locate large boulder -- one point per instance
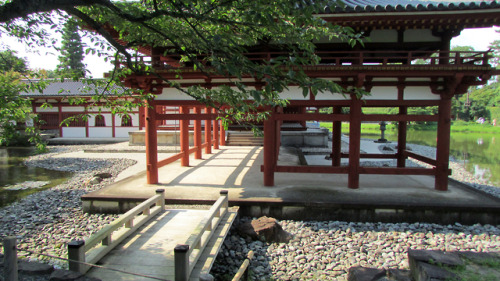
(264, 229)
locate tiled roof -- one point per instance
(72, 88)
(367, 6)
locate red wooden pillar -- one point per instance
(336, 138)
(443, 144)
(277, 136)
(141, 117)
(184, 124)
(402, 128)
(354, 142)
(208, 133)
(222, 134)
(197, 134)
(269, 150)
(303, 110)
(87, 123)
(216, 131)
(151, 144)
(113, 125)
(60, 118)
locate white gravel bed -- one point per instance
(46, 221)
(325, 250)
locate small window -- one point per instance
(126, 121)
(99, 121)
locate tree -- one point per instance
(71, 58)
(15, 109)
(10, 62)
(208, 36)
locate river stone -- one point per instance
(103, 175)
(34, 268)
(365, 274)
(434, 257)
(264, 229)
(424, 272)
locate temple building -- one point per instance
(405, 62)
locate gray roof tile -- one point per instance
(72, 88)
(363, 6)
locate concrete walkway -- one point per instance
(238, 170)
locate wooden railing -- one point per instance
(103, 241)
(186, 255)
(242, 273)
(359, 58)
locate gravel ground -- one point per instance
(46, 221)
(325, 250)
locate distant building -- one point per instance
(99, 124)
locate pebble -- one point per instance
(346, 244)
(320, 250)
(46, 221)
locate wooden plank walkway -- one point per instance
(150, 250)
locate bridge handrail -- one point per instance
(187, 254)
(103, 241)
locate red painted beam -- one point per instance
(419, 157)
(170, 159)
(396, 171)
(216, 131)
(311, 116)
(389, 117)
(187, 116)
(311, 169)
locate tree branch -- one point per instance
(23, 8)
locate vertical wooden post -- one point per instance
(216, 131)
(162, 202)
(87, 123)
(184, 138)
(10, 258)
(269, 149)
(141, 117)
(208, 132)
(225, 193)
(151, 144)
(76, 254)
(402, 128)
(197, 133)
(277, 136)
(222, 134)
(60, 116)
(336, 138)
(181, 260)
(354, 142)
(443, 144)
(113, 125)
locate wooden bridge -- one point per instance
(152, 243)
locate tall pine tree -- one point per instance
(71, 58)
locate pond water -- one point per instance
(479, 153)
(17, 180)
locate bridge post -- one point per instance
(10, 259)
(162, 193)
(225, 193)
(181, 259)
(76, 254)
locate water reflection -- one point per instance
(478, 153)
(13, 171)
